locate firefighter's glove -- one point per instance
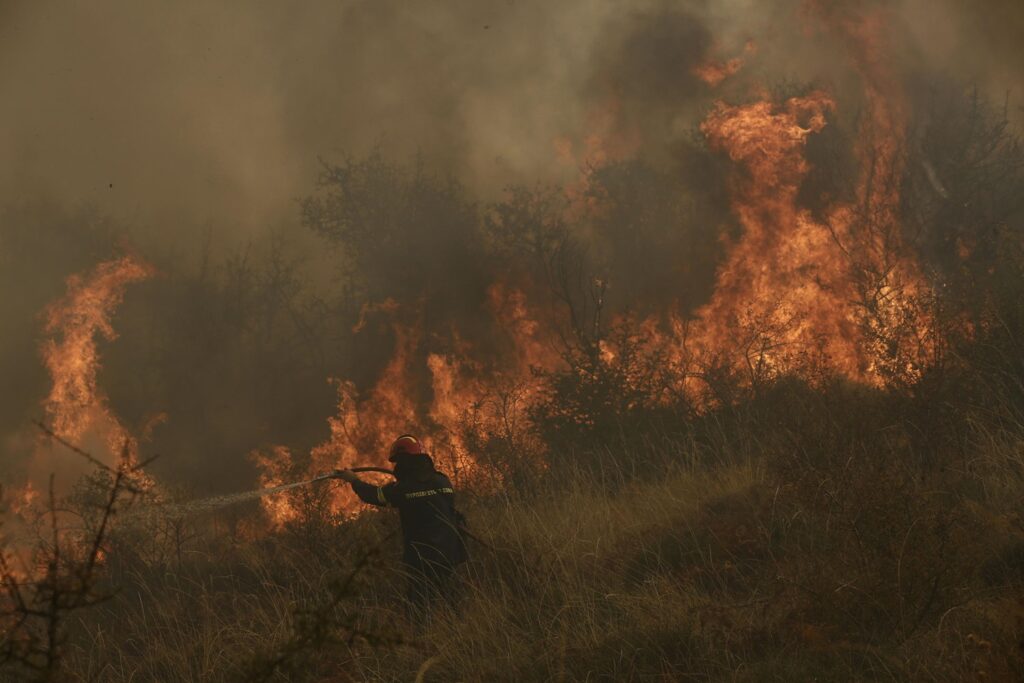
(347, 475)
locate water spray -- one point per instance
(216, 502)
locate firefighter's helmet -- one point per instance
(406, 444)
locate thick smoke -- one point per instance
(188, 132)
(170, 114)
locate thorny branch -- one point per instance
(60, 577)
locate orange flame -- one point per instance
(713, 73)
(363, 427)
(275, 469)
(361, 430)
(835, 291)
(75, 404)
(796, 293)
(783, 290)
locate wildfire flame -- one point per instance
(782, 292)
(839, 293)
(74, 403)
(364, 426)
(798, 292)
(75, 406)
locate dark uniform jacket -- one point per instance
(426, 508)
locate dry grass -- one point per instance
(875, 570)
(832, 533)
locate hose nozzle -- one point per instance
(333, 474)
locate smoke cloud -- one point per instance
(164, 114)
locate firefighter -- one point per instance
(431, 527)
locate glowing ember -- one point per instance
(713, 73)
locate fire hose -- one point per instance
(335, 474)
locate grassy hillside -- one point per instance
(808, 535)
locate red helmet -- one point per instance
(406, 444)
